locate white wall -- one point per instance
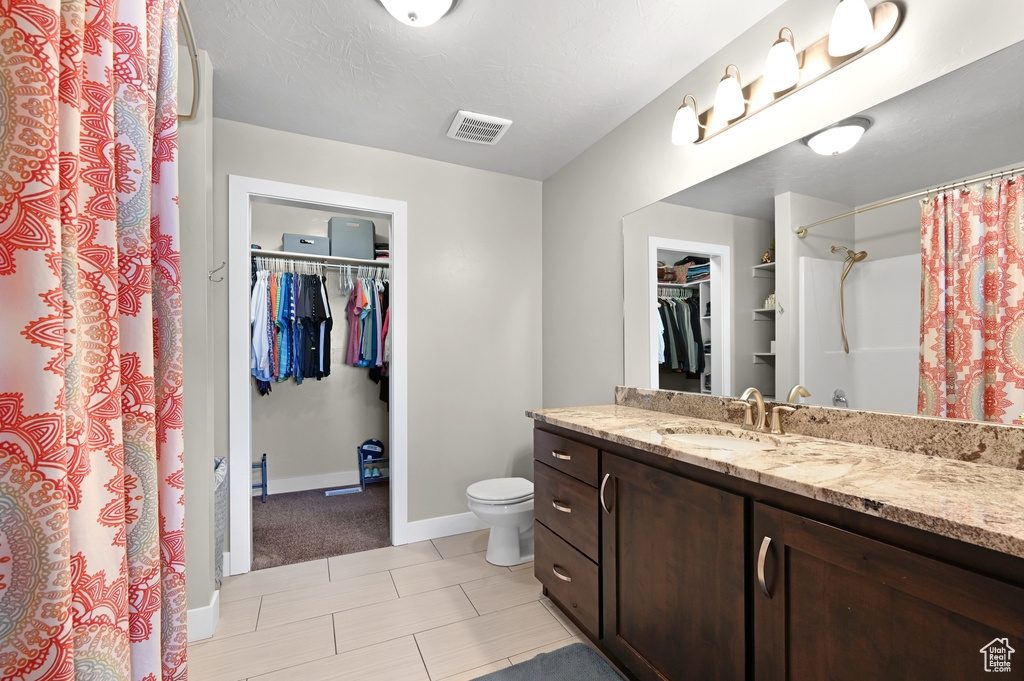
(474, 298)
(747, 240)
(195, 192)
(636, 165)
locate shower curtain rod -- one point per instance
(802, 231)
(190, 41)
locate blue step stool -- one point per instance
(262, 485)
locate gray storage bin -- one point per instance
(351, 237)
(306, 243)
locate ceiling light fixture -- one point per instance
(686, 128)
(729, 102)
(838, 138)
(781, 69)
(852, 28)
(418, 13)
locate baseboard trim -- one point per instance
(444, 526)
(202, 622)
(307, 482)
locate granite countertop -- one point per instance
(976, 503)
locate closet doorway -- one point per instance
(708, 282)
(254, 421)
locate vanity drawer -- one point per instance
(566, 506)
(572, 458)
(569, 577)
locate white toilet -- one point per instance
(506, 504)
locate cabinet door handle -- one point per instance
(761, 557)
(561, 455)
(559, 506)
(561, 574)
(601, 493)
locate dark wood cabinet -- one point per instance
(684, 574)
(673, 573)
(839, 606)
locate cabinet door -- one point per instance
(672, 565)
(842, 607)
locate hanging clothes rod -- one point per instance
(264, 262)
(802, 231)
(307, 257)
(193, 53)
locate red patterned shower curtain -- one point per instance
(91, 485)
(972, 303)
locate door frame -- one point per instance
(241, 192)
(721, 301)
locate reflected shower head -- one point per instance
(855, 257)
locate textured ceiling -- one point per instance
(964, 124)
(565, 71)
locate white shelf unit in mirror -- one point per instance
(708, 316)
(764, 274)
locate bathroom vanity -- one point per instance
(690, 548)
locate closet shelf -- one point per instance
(764, 271)
(309, 257)
(764, 314)
(764, 358)
(689, 284)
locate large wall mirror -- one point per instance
(966, 124)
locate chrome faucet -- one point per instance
(797, 392)
(748, 421)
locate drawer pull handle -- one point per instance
(559, 506)
(561, 574)
(601, 493)
(561, 455)
(761, 557)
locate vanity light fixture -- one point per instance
(685, 127)
(852, 28)
(837, 138)
(781, 69)
(729, 102)
(418, 13)
(787, 71)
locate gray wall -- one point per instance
(195, 192)
(474, 299)
(636, 165)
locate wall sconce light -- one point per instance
(685, 127)
(852, 28)
(781, 69)
(729, 102)
(418, 13)
(837, 138)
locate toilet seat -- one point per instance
(501, 491)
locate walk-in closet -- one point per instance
(319, 381)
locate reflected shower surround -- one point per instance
(972, 324)
(92, 581)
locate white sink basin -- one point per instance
(722, 442)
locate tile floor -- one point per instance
(430, 611)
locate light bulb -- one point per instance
(852, 28)
(685, 127)
(418, 13)
(838, 138)
(729, 102)
(781, 70)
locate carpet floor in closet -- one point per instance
(303, 526)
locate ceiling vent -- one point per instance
(478, 128)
